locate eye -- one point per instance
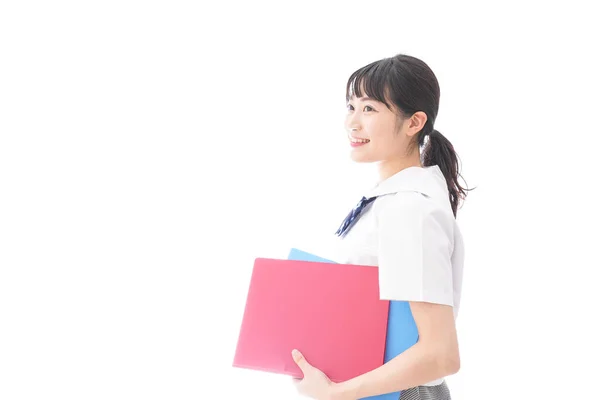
(368, 108)
(349, 107)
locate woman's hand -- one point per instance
(315, 383)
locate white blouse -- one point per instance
(409, 232)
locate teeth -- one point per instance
(353, 140)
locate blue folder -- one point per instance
(401, 330)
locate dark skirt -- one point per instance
(439, 392)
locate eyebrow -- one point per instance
(365, 98)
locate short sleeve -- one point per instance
(415, 249)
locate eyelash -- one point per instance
(349, 106)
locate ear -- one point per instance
(416, 122)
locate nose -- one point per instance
(352, 124)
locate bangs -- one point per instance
(371, 81)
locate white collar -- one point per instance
(425, 180)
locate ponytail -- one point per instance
(439, 151)
(407, 84)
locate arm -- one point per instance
(434, 356)
(415, 248)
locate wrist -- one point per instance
(342, 391)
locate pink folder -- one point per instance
(330, 312)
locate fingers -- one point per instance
(300, 360)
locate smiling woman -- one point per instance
(370, 120)
(405, 225)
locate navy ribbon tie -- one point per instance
(353, 216)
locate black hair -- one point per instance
(410, 85)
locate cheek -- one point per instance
(387, 142)
(376, 130)
(382, 136)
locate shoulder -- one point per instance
(405, 200)
(412, 203)
(414, 211)
(415, 247)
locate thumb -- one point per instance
(300, 360)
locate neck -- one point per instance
(391, 167)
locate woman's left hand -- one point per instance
(315, 383)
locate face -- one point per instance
(375, 133)
(378, 134)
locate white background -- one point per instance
(149, 151)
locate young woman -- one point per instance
(405, 225)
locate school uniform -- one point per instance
(405, 227)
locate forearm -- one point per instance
(417, 365)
